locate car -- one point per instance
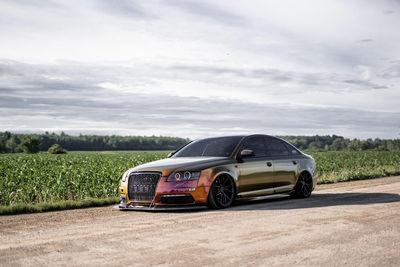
(213, 172)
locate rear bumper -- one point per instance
(315, 178)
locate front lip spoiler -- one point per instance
(153, 208)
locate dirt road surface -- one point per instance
(345, 224)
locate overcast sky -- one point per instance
(201, 68)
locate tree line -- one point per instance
(339, 143)
(11, 143)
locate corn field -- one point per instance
(44, 177)
(339, 166)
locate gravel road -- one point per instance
(345, 224)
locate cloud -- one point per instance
(260, 77)
(125, 8)
(365, 84)
(209, 11)
(147, 66)
(35, 3)
(393, 71)
(171, 115)
(365, 40)
(78, 104)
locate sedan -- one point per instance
(213, 172)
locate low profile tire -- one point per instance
(304, 186)
(222, 192)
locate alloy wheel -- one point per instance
(304, 185)
(222, 192)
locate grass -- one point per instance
(19, 208)
(46, 182)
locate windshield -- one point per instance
(210, 147)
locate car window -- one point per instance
(276, 147)
(255, 143)
(210, 147)
(292, 150)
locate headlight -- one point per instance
(183, 176)
(124, 176)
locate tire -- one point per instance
(222, 192)
(304, 186)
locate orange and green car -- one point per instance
(213, 172)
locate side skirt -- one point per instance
(268, 191)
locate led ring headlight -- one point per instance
(177, 176)
(187, 175)
(183, 176)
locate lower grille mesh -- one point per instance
(142, 186)
(183, 199)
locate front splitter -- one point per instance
(155, 208)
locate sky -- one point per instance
(201, 68)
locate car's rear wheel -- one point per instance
(222, 192)
(304, 186)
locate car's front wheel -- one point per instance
(222, 192)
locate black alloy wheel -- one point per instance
(304, 186)
(222, 192)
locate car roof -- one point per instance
(241, 136)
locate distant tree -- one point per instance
(338, 144)
(56, 149)
(393, 145)
(382, 148)
(316, 145)
(12, 144)
(3, 144)
(30, 144)
(355, 145)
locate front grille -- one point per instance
(142, 186)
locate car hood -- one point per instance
(183, 163)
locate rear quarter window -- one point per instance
(276, 147)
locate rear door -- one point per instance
(256, 172)
(285, 164)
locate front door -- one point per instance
(256, 172)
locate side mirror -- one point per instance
(170, 154)
(246, 153)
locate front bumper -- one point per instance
(168, 194)
(133, 206)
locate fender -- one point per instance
(224, 170)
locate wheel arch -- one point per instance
(223, 172)
(301, 172)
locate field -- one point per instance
(340, 166)
(46, 178)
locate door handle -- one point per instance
(294, 162)
(269, 164)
